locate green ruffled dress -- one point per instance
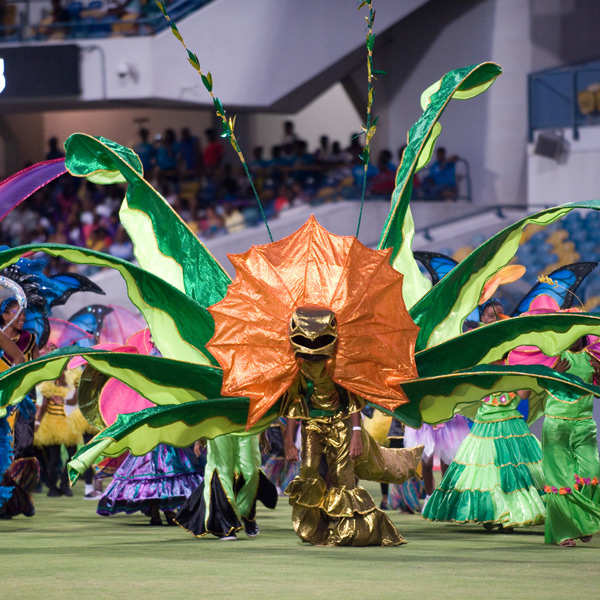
(571, 463)
(496, 476)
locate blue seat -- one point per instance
(95, 5)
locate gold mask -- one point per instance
(313, 332)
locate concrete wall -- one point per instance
(260, 53)
(575, 179)
(31, 131)
(332, 113)
(489, 131)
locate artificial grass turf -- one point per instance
(68, 552)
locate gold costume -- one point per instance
(334, 510)
(316, 322)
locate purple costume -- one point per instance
(165, 475)
(442, 440)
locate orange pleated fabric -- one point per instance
(376, 336)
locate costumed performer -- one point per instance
(160, 480)
(53, 429)
(570, 450)
(496, 477)
(18, 477)
(571, 463)
(233, 482)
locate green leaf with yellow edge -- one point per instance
(440, 397)
(441, 311)
(162, 380)
(179, 426)
(175, 32)
(193, 60)
(180, 326)
(163, 243)
(162, 8)
(207, 82)
(398, 231)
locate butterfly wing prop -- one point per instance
(561, 285)
(437, 265)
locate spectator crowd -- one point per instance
(209, 192)
(62, 19)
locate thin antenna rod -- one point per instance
(371, 123)
(228, 124)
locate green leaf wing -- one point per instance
(398, 231)
(180, 326)
(163, 242)
(179, 425)
(551, 333)
(161, 380)
(441, 312)
(440, 397)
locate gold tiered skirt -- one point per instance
(334, 510)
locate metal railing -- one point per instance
(554, 97)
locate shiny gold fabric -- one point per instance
(376, 336)
(324, 397)
(387, 465)
(313, 331)
(335, 511)
(378, 427)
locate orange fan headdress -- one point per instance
(376, 336)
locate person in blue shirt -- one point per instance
(440, 184)
(146, 151)
(167, 156)
(189, 147)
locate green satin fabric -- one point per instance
(177, 322)
(165, 380)
(552, 333)
(570, 449)
(178, 425)
(496, 476)
(446, 305)
(204, 278)
(442, 396)
(418, 135)
(580, 407)
(228, 456)
(398, 231)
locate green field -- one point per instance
(66, 551)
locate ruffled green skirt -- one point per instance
(496, 477)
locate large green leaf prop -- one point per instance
(441, 396)
(398, 230)
(163, 242)
(179, 425)
(441, 312)
(162, 380)
(180, 326)
(438, 397)
(552, 333)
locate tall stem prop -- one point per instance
(371, 122)
(227, 124)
